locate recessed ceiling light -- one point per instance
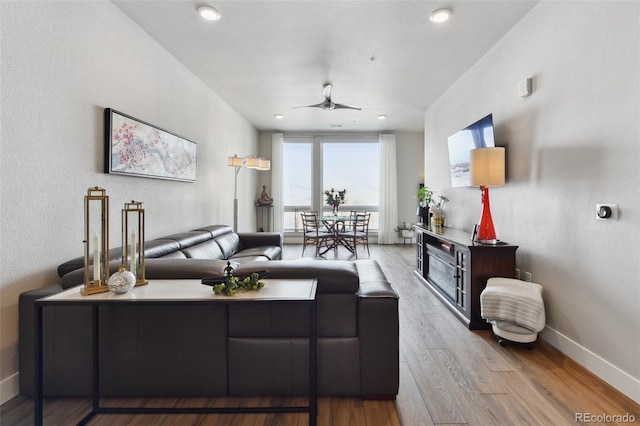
(440, 15)
(279, 116)
(382, 117)
(209, 13)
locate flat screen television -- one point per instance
(476, 135)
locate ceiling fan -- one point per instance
(328, 104)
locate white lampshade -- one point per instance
(235, 161)
(487, 166)
(264, 164)
(253, 162)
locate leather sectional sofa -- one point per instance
(205, 350)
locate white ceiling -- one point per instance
(265, 57)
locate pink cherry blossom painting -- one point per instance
(136, 148)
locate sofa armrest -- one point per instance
(378, 331)
(26, 335)
(257, 239)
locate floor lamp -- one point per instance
(251, 162)
(487, 169)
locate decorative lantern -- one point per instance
(96, 240)
(133, 240)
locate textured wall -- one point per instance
(62, 64)
(570, 145)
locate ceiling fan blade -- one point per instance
(344, 106)
(326, 91)
(328, 104)
(322, 105)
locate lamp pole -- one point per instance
(252, 162)
(235, 200)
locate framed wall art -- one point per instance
(136, 148)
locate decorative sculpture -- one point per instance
(264, 199)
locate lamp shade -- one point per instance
(235, 161)
(487, 167)
(253, 162)
(263, 164)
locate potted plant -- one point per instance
(334, 199)
(405, 230)
(438, 214)
(424, 197)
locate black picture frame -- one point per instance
(136, 148)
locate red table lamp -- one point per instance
(487, 169)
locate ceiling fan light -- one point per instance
(440, 15)
(279, 116)
(209, 13)
(382, 117)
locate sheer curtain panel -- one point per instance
(277, 140)
(388, 190)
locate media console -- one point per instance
(456, 269)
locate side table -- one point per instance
(181, 292)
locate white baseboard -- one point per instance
(9, 388)
(624, 382)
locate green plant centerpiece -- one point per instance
(334, 199)
(234, 284)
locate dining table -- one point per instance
(335, 224)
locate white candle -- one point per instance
(132, 265)
(96, 258)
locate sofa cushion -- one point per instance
(173, 255)
(78, 262)
(248, 259)
(334, 276)
(186, 239)
(160, 247)
(270, 252)
(229, 244)
(167, 268)
(76, 278)
(216, 230)
(206, 250)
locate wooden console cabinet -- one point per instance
(456, 269)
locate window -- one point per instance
(297, 181)
(314, 165)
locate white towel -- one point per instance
(513, 301)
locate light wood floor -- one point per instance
(448, 375)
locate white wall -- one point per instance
(572, 144)
(62, 64)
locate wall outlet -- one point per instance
(527, 276)
(517, 273)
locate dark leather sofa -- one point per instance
(206, 351)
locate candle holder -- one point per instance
(133, 240)
(96, 241)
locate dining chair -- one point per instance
(357, 233)
(313, 233)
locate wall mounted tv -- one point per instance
(476, 135)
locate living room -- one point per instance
(571, 144)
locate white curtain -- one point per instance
(277, 140)
(388, 190)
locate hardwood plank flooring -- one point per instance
(448, 375)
